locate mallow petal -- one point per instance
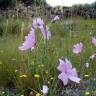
(64, 78)
(61, 66)
(72, 72)
(29, 42)
(68, 64)
(74, 79)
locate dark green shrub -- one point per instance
(7, 3)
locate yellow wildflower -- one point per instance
(86, 75)
(38, 94)
(87, 93)
(22, 95)
(23, 76)
(51, 78)
(41, 65)
(46, 71)
(3, 92)
(48, 82)
(16, 70)
(37, 76)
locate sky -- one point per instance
(68, 2)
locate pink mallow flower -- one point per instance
(94, 40)
(67, 72)
(77, 48)
(29, 42)
(56, 18)
(45, 32)
(37, 22)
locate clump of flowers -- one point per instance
(39, 23)
(30, 40)
(77, 48)
(67, 72)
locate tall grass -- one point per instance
(18, 68)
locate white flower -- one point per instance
(87, 65)
(92, 56)
(45, 89)
(90, 33)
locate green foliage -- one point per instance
(32, 2)
(85, 6)
(93, 5)
(12, 3)
(7, 3)
(11, 26)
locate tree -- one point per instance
(6, 3)
(12, 3)
(93, 5)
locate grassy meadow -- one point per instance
(24, 73)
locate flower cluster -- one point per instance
(30, 40)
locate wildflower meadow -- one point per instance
(42, 56)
